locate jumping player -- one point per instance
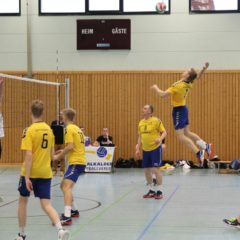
(151, 134)
(75, 151)
(178, 92)
(163, 148)
(36, 173)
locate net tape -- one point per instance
(26, 79)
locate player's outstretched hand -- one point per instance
(29, 185)
(154, 87)
(206, 65)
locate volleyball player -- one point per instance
(1, 116)
(75, 151)
(178, 92)
(151, 134)
(36, 173)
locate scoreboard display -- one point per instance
(104, 34)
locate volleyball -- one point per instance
(161, 7)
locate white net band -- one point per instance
(30, 80)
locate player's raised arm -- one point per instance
(160, 92)
(205, 67)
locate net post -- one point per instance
(67, 92)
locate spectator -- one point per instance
(59, 145)
(104, 140)
(87, 139)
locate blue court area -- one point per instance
(112, 207)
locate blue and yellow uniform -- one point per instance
(38, 139)
(179, 92)
(149, 130)
(76, 157)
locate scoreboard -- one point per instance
(103, 34)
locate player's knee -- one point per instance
(180, 137)
(65, 187)
(61, 186)
(187, 133)
(147, 171)
(156, 171)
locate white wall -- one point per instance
(173, 41)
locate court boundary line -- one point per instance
(3, 171)
(98, 204)
(157, 214)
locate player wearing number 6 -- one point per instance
(178, 92)
(75, 151)
(36, 173)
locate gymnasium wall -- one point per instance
(166, 42)
(114, 99)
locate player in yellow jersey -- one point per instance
(36, 173)
(178, 92)
(75, 151)
(151, 134)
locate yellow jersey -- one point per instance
(73, 134)
(179, 92)
(39, 139)
(149, 130)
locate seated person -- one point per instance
(87, 139)
(104, 140)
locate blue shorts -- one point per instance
(180, 117)
(74, 171)
(41, 187)
(152, 158)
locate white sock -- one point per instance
(74, 206)
(58, 226)
(201, 144)
(21, 231)
(158, 187)
(150, 187)
(67, 211)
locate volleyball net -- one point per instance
(18, 94)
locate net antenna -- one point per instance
(67, 88)
(58, 89)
